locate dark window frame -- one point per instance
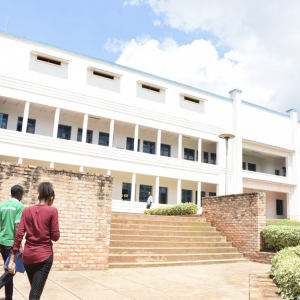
(3, 120)
(244, 165)
(205, 157)
(187, 153)
(31, 123)
(165, 149)
(163, 193)
(277, 172)
(89, 136)
(144, 191)
(203, 193)
(126, 187)
(130, 144)
(106, 76)
(279, 207)
(251, 167)
(184, 196)
(213, 160)
(149, 147)
(284, 171)
(103, 139)
(212, 194)
(63, 129)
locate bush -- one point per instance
(278, 237)
(286, 272)
(179, 209)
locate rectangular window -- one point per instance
(277, 172)
(165, 150)
(30, 125)
(252, 167)
(103, 139)
(89, 136)
(189, 154)
(130, 144)
(148, 147)
(284, 171)
(3, 121)
(192, 100)
(202, 195)
(64, 132)
(213, 158)
(144, 190)
(244, 166)
(126, 191)
(187, 196)
(49, 60)
(211, 194)
(151, 88)
(103, 75)
(205, 157)
(279, 207)
(163, 195)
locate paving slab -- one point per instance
(206, 282)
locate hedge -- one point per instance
(175, 210)
(286, 272)
(278, 237)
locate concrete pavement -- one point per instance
(201, 282)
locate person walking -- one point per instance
(40, 223)
(149, 200)
(10, 216)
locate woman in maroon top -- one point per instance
(40, 222)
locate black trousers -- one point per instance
(6, 279)
(37, 275)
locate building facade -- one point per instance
(65, 110)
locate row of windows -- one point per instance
(252, 167)
(186, 195)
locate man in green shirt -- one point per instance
(10, 217)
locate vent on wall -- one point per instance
(49, 60)
(191, 100)
(151, 88)
(103, 75)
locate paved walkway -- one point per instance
(205, 282)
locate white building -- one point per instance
(66, 110)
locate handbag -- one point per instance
(18, 261)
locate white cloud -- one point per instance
(156, 22)
(132, 2)
(263, 38)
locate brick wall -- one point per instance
(240, 218)
(83, 201)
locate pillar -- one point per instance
(111, 133)
(25, 117)
(20, 160)
(108, 172)
(136, 138)
(56, 122)
(199, 150)
(52, 165)
(81, 169)
(158, 142)
(178, 191)
(180, 146)
(84, 127)
(199, 204)
(133, 182)
(156, 197)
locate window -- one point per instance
(149, 147)
(279, 207)
(151, 88)
(244, 166)
(202, 195)
(3, 121)
(187, 196)
(103, 139)
(89, 136)
(205, 157)
(284, 171)
(191, 100)
(252, 167)
(189, 154)
(163, 195)
(211, 194)
(213, 158)
(130, 144)
(277, 172)
(165, 150)
(64, 132)
(144, 190)
(126, 191)
(49, 60)
(103, 75)
(30, 125)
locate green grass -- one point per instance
(281, 222)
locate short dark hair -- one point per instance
(15, 190)
(45, 190)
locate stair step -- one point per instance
(168, 238)
(175, 263)
(163, 232)
(171, 257)
(160, 222)
(173, 250)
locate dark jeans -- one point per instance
(37, 275)
(7, 278)
(149, 205)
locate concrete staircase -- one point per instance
(146, 241)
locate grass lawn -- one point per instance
(284, 222)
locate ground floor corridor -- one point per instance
(207, 282)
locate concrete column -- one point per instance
(156, 198)
(180, 146)
(158, 142)
(84, 127)
(20, 160)
(199, 149)
(136, 138)
(133, 182)
(111, 133)
(81, 169)
(236, 145)
(108, 172)
(56, 122)
(199, 204)
(25, 117)
(52, 164)
(178, 191)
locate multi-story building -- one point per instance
(62, 109)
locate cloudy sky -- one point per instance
(215, 45)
